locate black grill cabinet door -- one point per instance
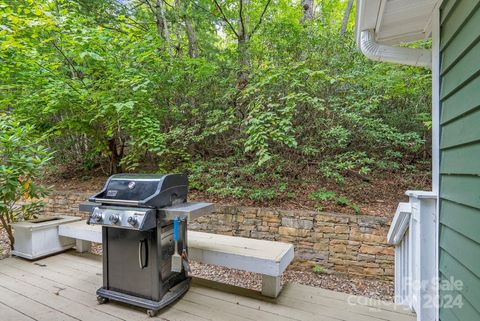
(132, 261)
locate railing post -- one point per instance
(423, 242)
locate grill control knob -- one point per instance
(97, 217)
(132, 220)
(114, 218)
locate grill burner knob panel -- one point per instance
(124, 217)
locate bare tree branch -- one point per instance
(168, 4)
(133, 20)
(203, 8)
(136, 23)
(150, 6)
(225, 19)
(58, 76)
(261, 17)
(78, 74)
(112, 28)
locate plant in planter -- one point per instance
(22, 161)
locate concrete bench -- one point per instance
(268, 258)
(83, 233)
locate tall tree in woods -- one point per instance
(191, 36)
(346, 17)
(181, 21)
(243, 43)
(161, 22)
(308, 10)
(243, 34)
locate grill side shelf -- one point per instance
(186, 211)
(87, 207)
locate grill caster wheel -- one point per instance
(101, 300)
(152, 313)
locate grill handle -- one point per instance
(115, 201)
(142, 247)
(176, 222)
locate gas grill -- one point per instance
(144, 234)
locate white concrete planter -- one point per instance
(39, 237)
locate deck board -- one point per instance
(368, 309)
(274, 309)
(62, 287)
(9, 314)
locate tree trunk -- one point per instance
(192, 38)
(308, 10)
(10, 237)
(243, 43)
(346, 16)
(178, 35)
(161, 21)
(8, 228)
(243, 62)
(116, 155)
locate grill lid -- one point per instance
(147, 190)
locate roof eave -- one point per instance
(377, 15)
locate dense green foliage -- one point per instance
(245, 106)
(22, 160)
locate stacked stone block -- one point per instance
(350, 244)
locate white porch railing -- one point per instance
(414, 234)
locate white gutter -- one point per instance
(394, 54)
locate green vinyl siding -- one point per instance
(459, 252)
(466, 220)
(461, 131)
(459, 160)
(466, 100)
(449, 266)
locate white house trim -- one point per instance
(436, 138)
(399, 223)
(395, 21)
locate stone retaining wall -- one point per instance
(352, 244)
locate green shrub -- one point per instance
(22, 161)
(322, 195)
(318, 269)
(263, 194)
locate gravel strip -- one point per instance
(375, 289)
(96, 248)
(4, 244)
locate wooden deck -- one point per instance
(62, 287)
